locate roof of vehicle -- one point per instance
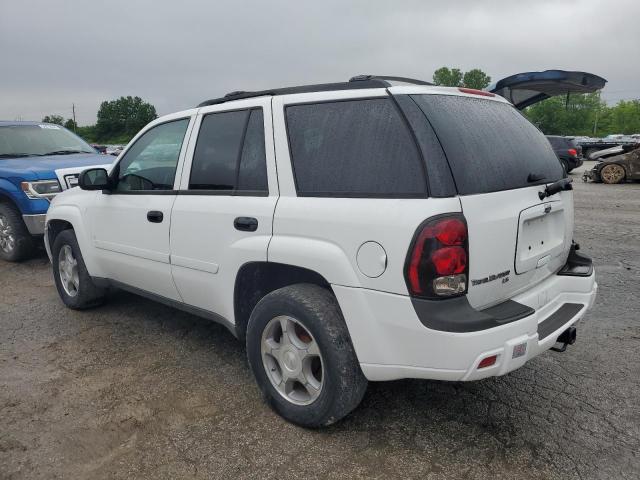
(354, 83)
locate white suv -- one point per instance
(347, 232)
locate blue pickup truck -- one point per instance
(37, 161)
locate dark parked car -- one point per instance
(567, 150)
(618, 168)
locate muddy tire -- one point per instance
(73, 282)
(301, 355)
(16, 243)
(612, 174)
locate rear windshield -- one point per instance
(490, 146)
(561, 142)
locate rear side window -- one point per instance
(358, 148)
(490, 146)
(230, 155)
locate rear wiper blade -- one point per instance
(62, 152)
(556, 187)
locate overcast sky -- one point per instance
(175, 54)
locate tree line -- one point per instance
(117, 120)
(578, 115)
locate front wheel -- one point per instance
(301, 355)
(73, 282)
(613, 173)
(16, 243)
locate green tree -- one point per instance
(476, 78)
(57, 119)
(447, 77)
(70, 125)
(576, 115)
(123, 117)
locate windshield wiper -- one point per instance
(16, 155)
(62, 152)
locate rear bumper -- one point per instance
(392, 343)
(35, 223)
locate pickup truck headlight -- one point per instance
(46, 189)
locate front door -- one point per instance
(130, 224)
(222, 217)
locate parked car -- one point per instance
(114, 150)
(99, 148)
(37, 161)
(345, 232)
(617, 168)
(567, 150)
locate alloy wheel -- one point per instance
(68, 271)
(292, 360)
(7, 238)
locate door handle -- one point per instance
(154, 216)
(246, 224)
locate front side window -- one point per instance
(356, 148)
(230, 154)
(150, 164)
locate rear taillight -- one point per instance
(573, 152)
(437, 264)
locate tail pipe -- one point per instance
(568, 337)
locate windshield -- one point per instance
(42, 139)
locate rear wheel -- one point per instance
(612, 173)
(73, 282)
(16, 243)
(301, 355)
(565, 166)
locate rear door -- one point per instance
(222, 217)
(500, 162)
(525, 89)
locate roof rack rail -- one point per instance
(354, 83)
(388, 79)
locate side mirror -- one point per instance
(94, 179)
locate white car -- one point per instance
(348, 232)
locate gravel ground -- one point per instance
(137, 390)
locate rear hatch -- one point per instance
(525, 89)
(500, 162)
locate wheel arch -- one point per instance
(65, 217)
(257, 279)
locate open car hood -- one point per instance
(525, 89)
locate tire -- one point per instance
(313, 317)
(74, 284)
(16, 243)
(565, 166)
(612, 173)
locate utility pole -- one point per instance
(595, 123)
(73, 109)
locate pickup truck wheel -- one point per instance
(74, 284)
(301, 355)
(16, 243)
(612, 173)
